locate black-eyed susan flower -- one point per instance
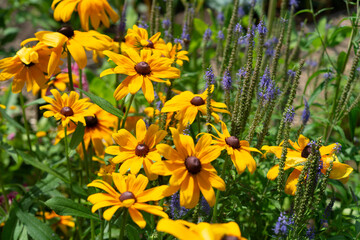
(190, 168)
(136, 152)
(141, 70)
(188, 105)
(131, 194)
(29, 66)
(74, 41)
(63, 222)
(238, 150)
(184, 230)
(176, 54)
(98, 129)
(138, 39)
(297, 157)
(97, 10)
(67, 107)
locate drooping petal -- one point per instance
(290, 185)
(110, 212)
(137, 217)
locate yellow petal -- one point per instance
(176, 229)
(290, 185)
(110, 212)
(125, 139)
(77, 52)
(137, 217)
(140, 131)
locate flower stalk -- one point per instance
(70, 70)
(27, 128)
(127, 111)
(68, 160)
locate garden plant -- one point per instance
(179, 119)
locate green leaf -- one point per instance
(341, 61)
(36, 229)
(11, 121)
(105, 105)
(303, 11)
(66, 207)
(353, 118)
(323, 10)
(77, 136)
(10, 225)
(200, 26)
(314, 75)
(36, 102)
(316, 92)
(35, 163)
(132, 233)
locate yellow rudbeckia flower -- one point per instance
(176, 54)
(138, 39)
(297, 157)
(190, 168)
(184, 230)
(238, 150)
(141, 70)
(67, 108)
(136, 152)
(132, 195)
(62, 223)
(74, 41)
(29, 66)
(97, 10)
(188, 104)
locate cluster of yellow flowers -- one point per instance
(143, 60)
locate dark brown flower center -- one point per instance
(127, 195)
(67, 111)
(141, 150)
(91, 121)
(150, 45)
(193, 164)
(29, 65)
(227, 237)
(67, 31)
(143, 68)
(233, 142)
(306, 152)
(197, 101)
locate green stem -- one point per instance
(80, 82)
(101, 225)
(70, 71)
(92, 226)
(25, 120)
(68, 160)
(109, 230)
(198, 122)
(86, 159)
(214, 218)
(123, 224)
(127, 111)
